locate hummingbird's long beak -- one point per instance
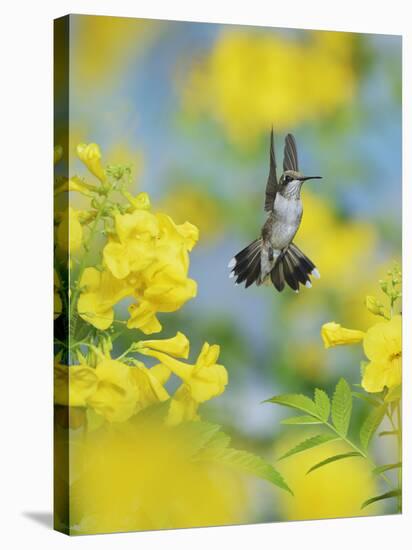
(304, 178)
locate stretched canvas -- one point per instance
(227, 276)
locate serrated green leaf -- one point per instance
(386, 467)
(301, 420)
(371, 424)
(197, 435)
(389, 494)
(366, 398)
(252, 464)
(342, 407)
(309, 443)
(295, 401)
(322, 403)
(213, 447)
(332, 459)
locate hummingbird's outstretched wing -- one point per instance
(290, 154)
(272, 184)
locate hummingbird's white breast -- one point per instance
(287, 215)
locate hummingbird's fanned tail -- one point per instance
(245, 266)
(293, 267)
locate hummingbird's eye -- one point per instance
(288, 179)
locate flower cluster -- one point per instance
(117, 389)
(382, 343)
(145, 258)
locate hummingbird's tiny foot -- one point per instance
(231, 275)
(296, 291)
(232, 263)
(308, 284)
(316, 273)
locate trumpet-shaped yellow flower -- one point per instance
(178, 346)
(116, 395)
(89, 154)
(335, 335)
(150, 385)
(74, 385)
(202, 381)
(143, 317)
(383, 347)
(69, 232)
(134, 248)
(74, 184)
(100, 292)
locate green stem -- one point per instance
(363, 453)
(82, 266)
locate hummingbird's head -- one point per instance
(291, 181)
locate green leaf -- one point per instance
(309, 443)
(295, 401)
(389, 494)
(252, 464)
(371, 424)
(198, 435)
(301, 420)
(333, 459)
(386, 467)
(367, 398)
(322, 403)
(213, 447)
(342, 407)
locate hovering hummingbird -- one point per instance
(273, 256)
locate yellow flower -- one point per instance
(143, 317)
(326, 492)
(178, 346)
(90, 155)
(202, 381)
(100, 292)
(335, 335)
(383, 347)
(147, 470)
(150, 384)
(244, 65)
(73, 385)
(116, 394)
(74, 184)
(133, 249)
(69, 232)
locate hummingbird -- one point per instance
(274, 257)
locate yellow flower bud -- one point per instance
(334, 334)
(178, 346)
(90, 155)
